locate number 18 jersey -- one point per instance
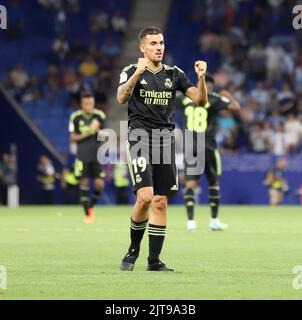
(204, 118)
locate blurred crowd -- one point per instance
(259, 60)
(72, 64)
(255, 50)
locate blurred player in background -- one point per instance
(276, 183)
(69, 181)
(83, 127)
(47, 178)
(200, 119)
(149, 87)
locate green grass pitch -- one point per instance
(50, 254)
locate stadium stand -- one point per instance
(250, 46)
(253, 51)
(51, 79)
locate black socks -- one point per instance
(84, 197)
(156, 241)
(190, 202)
(214, 200)
(137, 230)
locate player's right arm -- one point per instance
(77, 137)
(125, 90)
(199, 94)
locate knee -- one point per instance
(191, 184)
(144, 198)
(99, 184)
(159, 203)
(84, 182)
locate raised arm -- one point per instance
(125, 90)
(199, 94)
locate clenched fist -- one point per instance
(94, 126)
(142, 64)
(200, 68)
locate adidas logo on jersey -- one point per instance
(174, 188)
(144, 81)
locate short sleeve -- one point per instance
(101, 117)
(126, 74)
(220, 102)
(74, 123)
(183, 82)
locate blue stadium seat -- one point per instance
(40, 33)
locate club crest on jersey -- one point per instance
(168, 83)
(138, 178)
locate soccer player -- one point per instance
(83, 127)
(149, 87)
(203, 118)
(276, 183)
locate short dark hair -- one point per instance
(210, 78)
(86, 94)
(149, 30)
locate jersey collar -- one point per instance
(157, 71)
(87, 116)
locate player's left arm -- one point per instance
(199, 94)
(233, 104)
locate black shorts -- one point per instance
(92, 169)
(212, 167)
(144, 173)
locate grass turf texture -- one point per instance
(50, 254)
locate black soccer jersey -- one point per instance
(204, 118)
(278, 181)
(79, 123)
(152, 104)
